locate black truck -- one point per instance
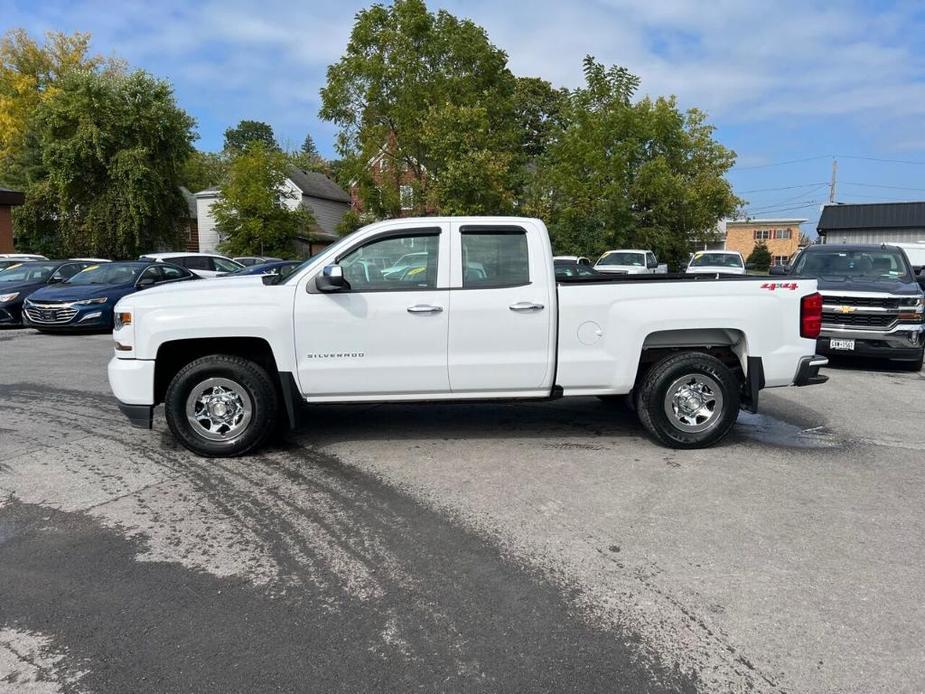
(872, 301)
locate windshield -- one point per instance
(621, 258)
(716, 260)
(873, 263)
(110, 273)
(28, 272)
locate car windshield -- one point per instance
(633, 259)
(110, 273)
(716, 260)
(28, 272)
(873, 263)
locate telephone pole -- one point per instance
(833, 181)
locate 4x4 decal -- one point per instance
(780, 285)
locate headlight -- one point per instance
(88, 302)
(8, 297)
(121, 319)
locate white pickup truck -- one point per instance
(476, 314)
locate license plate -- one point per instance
(841, 344)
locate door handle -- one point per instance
(425, 308)
(526, 306)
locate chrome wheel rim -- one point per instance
(694, 403)
(219, 409)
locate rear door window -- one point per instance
(495, 258)
(193, 262)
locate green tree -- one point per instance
(111, 146)
(624, 174)
(760, 257)
(30, 75)
(252, 215)
(431, 95)
(247, 132)
(308, 147)
(203, 170)
(539, 108)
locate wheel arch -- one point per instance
(729, 345)
(175, 354)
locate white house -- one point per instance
(326, 200)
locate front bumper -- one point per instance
(67, 318)
(808, 371)
(11, 315)
(904, 341)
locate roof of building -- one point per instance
(11, 197)
(317, 185)
(873, 215)
(311, 183)
(766, 220)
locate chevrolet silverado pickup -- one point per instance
(475, 313)
(872, 303)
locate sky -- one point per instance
(789, 85)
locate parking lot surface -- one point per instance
(478, 547)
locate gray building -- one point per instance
(878, 222)
(326, 200)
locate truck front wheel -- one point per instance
(688, 400)
(221, 405)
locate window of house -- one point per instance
(762, 234)
(495, 258)
(396, 262)
(406, 196)
(780, 260)
(782, 233)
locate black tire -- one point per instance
(244, 384)
(707, 374)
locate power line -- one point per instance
(878, 185)
(773, 208)
(889, 161)
(765, 190)
(782, 163)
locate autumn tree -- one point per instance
(624, 173)
(111, 146)
(31, 73)
(428, 96)
(255, 214)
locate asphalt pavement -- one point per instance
(478, 547)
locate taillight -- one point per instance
(811, 316)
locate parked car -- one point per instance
(628, 262)
(21, 256)
(722, 262)
(203, 264)
(510, 331)
(282, 268)
(872, 302)
(19, 281)
(575, 259)
(86, 300)
(249, 260)
(94, 260)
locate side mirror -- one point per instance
(779, 270)
(332, 279)
(55, 279)
(145, 282)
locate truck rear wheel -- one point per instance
(688, 400)
(221, 405)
